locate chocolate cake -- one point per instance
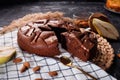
(43, 36)
(36, 37)
(81, 45)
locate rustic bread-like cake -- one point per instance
(37, 37)
(41, 37)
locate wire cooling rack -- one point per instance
(11, 71)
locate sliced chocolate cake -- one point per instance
(43, 36)
(81, 45)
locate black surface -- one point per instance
(9, 12)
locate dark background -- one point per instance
(9, 2)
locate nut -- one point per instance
(17, 60)
(26, 64)
(23, 69)
(38, 79)
(53, 73)
(37, 68)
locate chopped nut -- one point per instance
(17, 60)
(38, 79)
(23, 69)
(26, 64)
(37, 68)
(53, 73)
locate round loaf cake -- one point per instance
(36, 37)
(41, 37)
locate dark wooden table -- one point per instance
(11, 11)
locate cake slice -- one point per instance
(81, 45)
